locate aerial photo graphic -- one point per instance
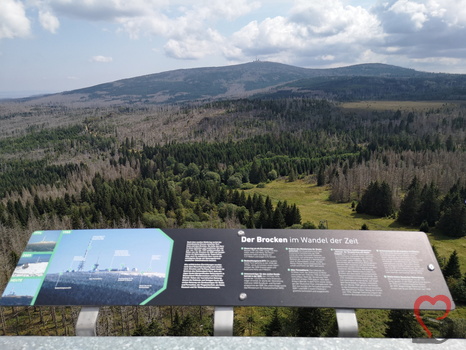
(106, 267)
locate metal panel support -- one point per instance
(223, 321)
(347, 323)
(87, 321)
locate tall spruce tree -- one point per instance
(403, 324)
(377, 200)
(429, 209)
(384, 203)
(452, 267)
(321, 176)
(310, 322)
(274, 327)
(452, 221)
(278, 221)
(410, 204)
(176, 328)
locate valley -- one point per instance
(285, 153)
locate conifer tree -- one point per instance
(377, 200)
(403, 324)
(250, 220)
(384, 202)
(453, 219)
(310, 322)
(321, 177)
(176, 328)
(452, 267)
(274, 327)
(410, 204)
(242, 199)
(263, 219)
(429, 209)
(278, 221)
(249, 202)
(256, 174)
(292, 175)
(140, 331)
(268, 204)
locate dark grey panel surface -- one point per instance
(227, 267)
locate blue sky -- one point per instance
(147, 250)
(60, 45)
(47, 236)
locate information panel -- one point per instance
(226, 267)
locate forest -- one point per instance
(194, 166)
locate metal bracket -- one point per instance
(87, 321)
(347, 323)
(223, 321)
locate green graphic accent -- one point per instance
(45, 272)
(167, 271)
(30, 254)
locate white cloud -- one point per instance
(101, 59)
(401, 16)
(334, 33)
(143, 11)
(194, 47)
(450, 12)
(315, 31)
(439, 60)
(328, 58)
(415, 11)
(337, 22)
(422, 29)
(304, 32)
(229, 10)
(13, 20)
(272, 35)
(189, 32)
(191, 18)
(49, 21)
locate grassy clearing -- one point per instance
(314, 205)
(409, 106)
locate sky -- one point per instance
(60, 45)
(147, 250)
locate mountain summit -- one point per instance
(268, 79)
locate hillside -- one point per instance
(268, 79)
(235, 163)
(401, 88)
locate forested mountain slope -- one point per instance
(196, 164)
(364, 81)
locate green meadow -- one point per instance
(315, 206)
